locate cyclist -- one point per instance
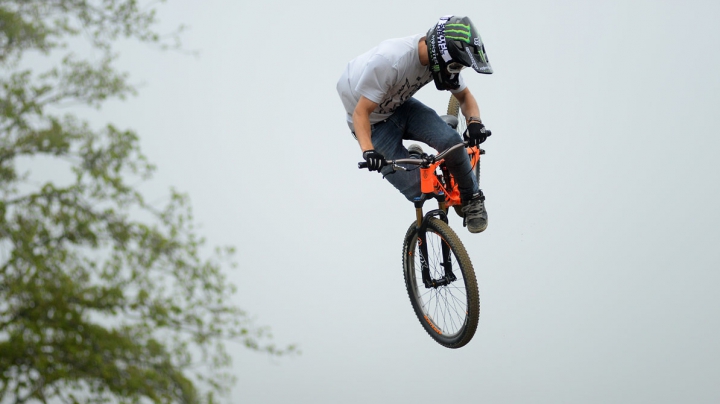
(376, 90)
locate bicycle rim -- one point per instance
(448, 313)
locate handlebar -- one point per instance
(425, 160)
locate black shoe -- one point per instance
(474, 214)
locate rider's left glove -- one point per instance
(477, 133)
(375, 160)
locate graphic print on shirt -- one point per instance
(407, 90)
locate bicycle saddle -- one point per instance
(450, 120)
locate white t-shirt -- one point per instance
(388, 75)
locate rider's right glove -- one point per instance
(375, 160)
(477, 133)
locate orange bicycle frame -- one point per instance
(430, 184)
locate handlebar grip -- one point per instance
(362, 164)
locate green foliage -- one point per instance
(95, 305)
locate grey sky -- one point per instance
(599, 270)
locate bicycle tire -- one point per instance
(453, 106)
(454, 110)
(440, 309)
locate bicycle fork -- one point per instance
(422, 221)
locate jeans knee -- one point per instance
(407, 182)
(451, 139)
(413, 194)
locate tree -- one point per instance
(96, 305)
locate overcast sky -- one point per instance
(599, 270)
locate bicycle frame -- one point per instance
(446, 190)
(443, 188)
(447, 193)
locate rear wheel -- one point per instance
(447, 308)
(454, 110)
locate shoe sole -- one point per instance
(480, 230)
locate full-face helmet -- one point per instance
(453, 44)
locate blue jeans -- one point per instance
(413, 120)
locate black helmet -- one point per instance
(454, 43)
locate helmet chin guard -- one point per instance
(454, 39)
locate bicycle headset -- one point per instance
(453, 44)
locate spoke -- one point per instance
(455, 301)
(445, 320)
(445, 306)
(459, 316)
(425, 292)
(461, 301)
(428, 304)
(441, 307)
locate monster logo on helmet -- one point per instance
(454, 39)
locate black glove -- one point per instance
(375, 160)
(477, 133)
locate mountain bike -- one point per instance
(439, 275)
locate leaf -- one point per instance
(103, 297)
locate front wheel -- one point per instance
(446, 300)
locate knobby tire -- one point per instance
(454, 110)
(440, 310)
